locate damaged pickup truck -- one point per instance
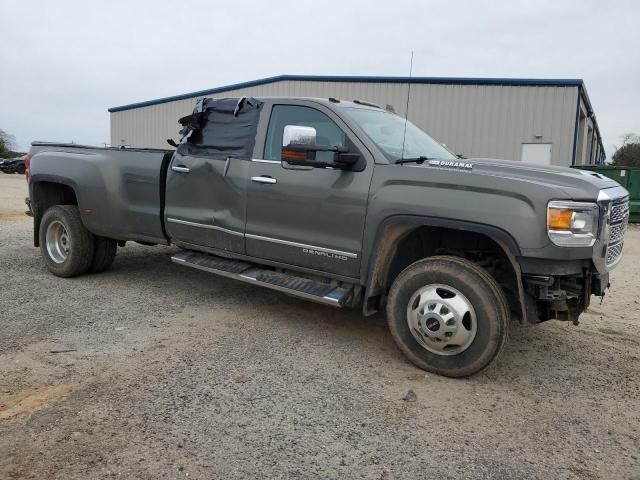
(334, 201)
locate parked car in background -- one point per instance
(13, 165)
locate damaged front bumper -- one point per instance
(562, 290)
(564, 297)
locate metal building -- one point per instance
(534, 120)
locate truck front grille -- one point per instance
(616, 233)
(613, 254)
(619, 211)
(617, 228)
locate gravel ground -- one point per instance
(151, 370)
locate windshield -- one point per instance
(387, 131)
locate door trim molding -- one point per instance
(204, 225)
(302, 245)
(264, 239)
(261, 160)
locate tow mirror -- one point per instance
(299, 150)
(297, 134)
(297, 146)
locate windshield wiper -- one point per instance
(420, 159)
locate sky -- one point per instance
(63, 63)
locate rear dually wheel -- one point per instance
(67, 247)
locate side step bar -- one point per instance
(258, 275)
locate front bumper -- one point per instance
(559, 290)
(562, 297)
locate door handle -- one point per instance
(180, 168)
(264, 179)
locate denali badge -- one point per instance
(450, 164)
(334, 256)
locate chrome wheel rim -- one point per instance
(441, 319)
(58, 241)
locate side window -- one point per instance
(327, 132)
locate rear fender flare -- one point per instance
(38, 212)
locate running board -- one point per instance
(251, 273)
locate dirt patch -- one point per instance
(13, 215)
(27, 402)
(609, 331)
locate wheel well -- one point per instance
(45, 195)
(402, 245)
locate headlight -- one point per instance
(572, 223)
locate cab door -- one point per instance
(205, 200)
(308, 217)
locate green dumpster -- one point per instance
(633, 186)
(628, 177)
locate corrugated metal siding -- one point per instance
(473, 120)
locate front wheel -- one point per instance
(66, 245)
(448, 315)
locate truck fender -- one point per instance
(45, 177)
(39, 205)
(394, 228)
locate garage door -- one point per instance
(538, 153)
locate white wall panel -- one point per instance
(473, 120)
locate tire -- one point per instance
(63, 221)
(447, 341)
(104, 254)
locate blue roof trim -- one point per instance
(516, 82)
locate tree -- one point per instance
(7, 145)
(628, 155)
(7, 142)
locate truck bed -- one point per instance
(120, 191)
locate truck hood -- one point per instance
(570, 182)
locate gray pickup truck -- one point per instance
(346, 204)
